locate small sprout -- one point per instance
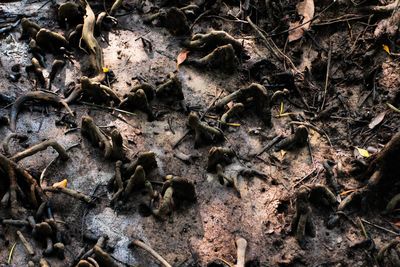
(55, 68)
(302, 222)
(91, 131)
(137, 180)
(174, 19)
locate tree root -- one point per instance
(55, 68)
(29, 28)
(233, 111)
(40, 147)
(37, 96)
(118, 182)
(38, 71)
(204, 134)
(219, 155)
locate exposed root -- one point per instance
(204, 134)
(29, 28)
(254, 96)
(142, 245)
(210, 41)
(70, 192)
(51, 41)
(97, 92)
(241, 245)
(6, 141)
(40, 147)
(93, 48)
(55, 68)
(382, 172)
(137, 100)
(102, 257)
(90, 130)
(302, 222)
(118, 182)
(297, 140)
(70, 14)
(233, 111)
(137, 179)
(145, 159)
(118, 152)
(148, 89)
(222, 58)
(37, 96)
(115, 7)
(174, 19)
(219, 155)
(171, 89)
(38, 71)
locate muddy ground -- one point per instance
(362, 79)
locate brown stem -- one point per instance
(70, 192)
(153, 253)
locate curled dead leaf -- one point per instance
(181, 58)
(305, 9)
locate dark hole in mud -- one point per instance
(282, 207)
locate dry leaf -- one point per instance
(305, 9)
(181, 57)
(377, 120)
(61, 184)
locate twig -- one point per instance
(380, 227)
(362, 228)
(40, 147)
(305, 177)
(269, 145)
(26, 244)
(142, 245)
(201, 117)
(328, 68)
(70, 192)
(107, 108)
(393, 107)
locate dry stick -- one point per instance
(142, 245)
(270, 144)
(26, 244)
(201, 117)
(271, 46)
(328, 68)
(380, 227)
(118, 180)
(70, 192)
(40, 147)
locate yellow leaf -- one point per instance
(386, 48)
(105, 70)
(347, 192)
(363, 152)
(61, 184)
(233, 124)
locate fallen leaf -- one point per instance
(61, 184)
(386, 48)
(363, 152)
(305, 9)
(181, 58)
(377, 120)
(105, 70)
